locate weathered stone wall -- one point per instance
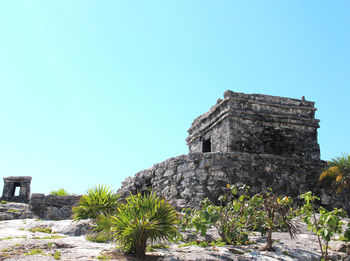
(52, 207)
(330, 199)
(186, 180)
(258, 124)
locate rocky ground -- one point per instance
(27, 239)
(34, 239)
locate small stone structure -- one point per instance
(257, 124)
(10, 185)
(40, 206)
(259, 140)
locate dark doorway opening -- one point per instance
(206, 145)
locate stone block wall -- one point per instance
(52, 207)
(186, 180)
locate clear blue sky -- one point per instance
(94, 91)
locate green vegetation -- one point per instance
(285, 253)
(195, 243)
(4, 238)
(57, 255)
(338, 172)
(100, 200)
(36, 251)
(41, 229)
(3, 202)
(49, 237)
(98, 238)
(231, 218)
(13, 211)
(102, 257)
(152, 248)
(239, 213)
(143, 218)
(103, 229)
(277, 213)
(59, 192)
(326, 226)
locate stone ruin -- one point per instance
(10, 186)
(40, 206)
(259, 140)
(257, 124)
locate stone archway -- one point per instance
(10, 185)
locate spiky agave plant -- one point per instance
(97, 201)
(143, 218)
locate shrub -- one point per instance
(143, 218)
(235, 217)
(338, 173)
(326, 226)
(277, 212)
(97, 201)
(59, 192)
(232, 219)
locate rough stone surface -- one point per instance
(257, 123)
(52, 207)
(10, 185)
(188, 179)
(12, 210)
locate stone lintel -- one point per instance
(17, 179)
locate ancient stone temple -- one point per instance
(258, 124)
(259, 140)
(20, 183)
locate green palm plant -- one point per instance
(98, 200)
(338, 172)
(143, 218)
(103, 228)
